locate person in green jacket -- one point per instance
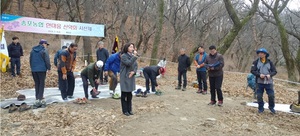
(91, 73)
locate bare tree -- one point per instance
(160, 13)
(238, 23)
(276, 10)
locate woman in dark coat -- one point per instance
(128, 69)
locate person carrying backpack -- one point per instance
(264, 70)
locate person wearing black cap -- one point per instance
(264, 70)
(214, 63)
(39, 63)
(56, 59)
(15, 51)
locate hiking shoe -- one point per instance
(273, 111)
(71, 97)
(126, 113)
(24, 107)
(261, 111)
(199, 91)
(43, 104)
(220, 103)
(212, 103)
(94, 96)
(130, 113)
(37, 104)
(178, 87)
(204, 92)
(12, 108)
(183, 89)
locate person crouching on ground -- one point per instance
(264, 70)
(91, 73)
(150, 73)
(111, 68)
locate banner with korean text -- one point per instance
(45, 26)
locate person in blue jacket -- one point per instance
(39, 63)
(111, 68)
(201, 70)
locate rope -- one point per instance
(243, 73)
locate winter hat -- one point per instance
(162, 70)
(263, 50)
(42, 41)
(99, 64)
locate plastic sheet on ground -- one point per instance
(53, 95)
(278, 107)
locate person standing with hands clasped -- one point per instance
(128, 69)
(183, 64)
(264, 70)
(15, 51)
(201, 70)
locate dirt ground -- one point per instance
(174, 113)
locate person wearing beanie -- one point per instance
(264, 70)
(214, 63)
(39, 61)
(15, 51)
(91, 73)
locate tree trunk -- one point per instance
(160, 11)
(238, 24)
(298, 61)
(87, 46)
(20, 7)
(122, 29)
(5, 4)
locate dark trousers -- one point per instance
(270, 91)
(147, 78)
(39, 84)
(202, 83)
(68, 85)
(101, 75)
(15, 62)
(215, 85)
(113, 81)
(126, 101)
(59, 83)
(86, 86)
(182, 74)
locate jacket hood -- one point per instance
(38, 48)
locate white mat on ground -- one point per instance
(278, 107)
(53, 95)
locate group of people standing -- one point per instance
(213, 63)
(125, 63)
